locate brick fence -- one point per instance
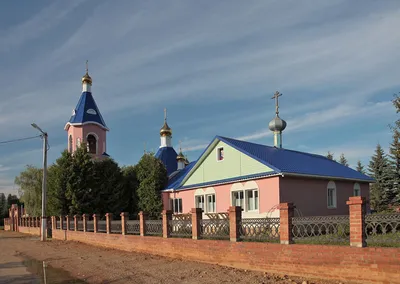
(356, 262)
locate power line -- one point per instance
(20, 139)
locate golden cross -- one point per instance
(87, 66)
(180, 146)
(276, 96)
(165, 114)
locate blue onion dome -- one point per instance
(277, 124)
(165, 130)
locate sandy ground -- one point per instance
(99, 265)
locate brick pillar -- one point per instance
(166, 219)
(76, 219)
(67, 218)
(53, 223)
(108, 222)
(124, 218)
(61, 222)
(95, 223)
(357, 206)
(235, 220)
(197, 215)
(84, 220)
(142, 222)
(285, 229)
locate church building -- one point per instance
(257, 177)
(86, 124)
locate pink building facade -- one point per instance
(309, 195)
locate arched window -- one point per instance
(78, 142)
(70, 143)
(92, 144)
(356, 189)
(331, 194)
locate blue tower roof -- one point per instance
(86, 111)
(167, 155)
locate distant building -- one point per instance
(87, 124)
(258, 177)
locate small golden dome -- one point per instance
(180, 157)
(87, 79)
(165, 130)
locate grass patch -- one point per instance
(386, 240)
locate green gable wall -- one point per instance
(235, 164)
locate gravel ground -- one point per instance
(98, 265)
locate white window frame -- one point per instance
(356, 187)
(255, 204)
(180, 205)
(244, 192)
(218, 151)
(70, 144)
(331, 187)
(207, 204)
(197, 203)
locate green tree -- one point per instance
(57, 183)
(80, 187)
(382, 190)
(343, 160)
(109, 190)
(152, 177)
(30, 190)
(3, 207)
(330, 156)
(360, 167)
(394, 158)
(131, 184)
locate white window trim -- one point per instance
(356, 186)
(205, 193)
(78, 142)
(70, 144)
(331, 185)
(251, 185)
(173, 205)
(97, 141)
(217, 152)
(206, 203)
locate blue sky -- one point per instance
(213, 64)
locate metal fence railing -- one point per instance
(214, 228)
(260, 229)
(154, 227)
(133, 227)
(382, 229)
(116, 227)
(321, 229)
(180, 228)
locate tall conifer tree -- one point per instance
(343, 160)
(360, 167)
(382, 194)
(329, 156)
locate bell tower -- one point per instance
(86, 124)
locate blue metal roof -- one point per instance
(167, 155)
(295, 162)
(281, 161)
(174, 181)
(86, 111)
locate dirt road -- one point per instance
(69, 260)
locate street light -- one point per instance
(43, 227)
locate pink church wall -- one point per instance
(268, 196)
(82, 131)
(310, 195)
(101, 133)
